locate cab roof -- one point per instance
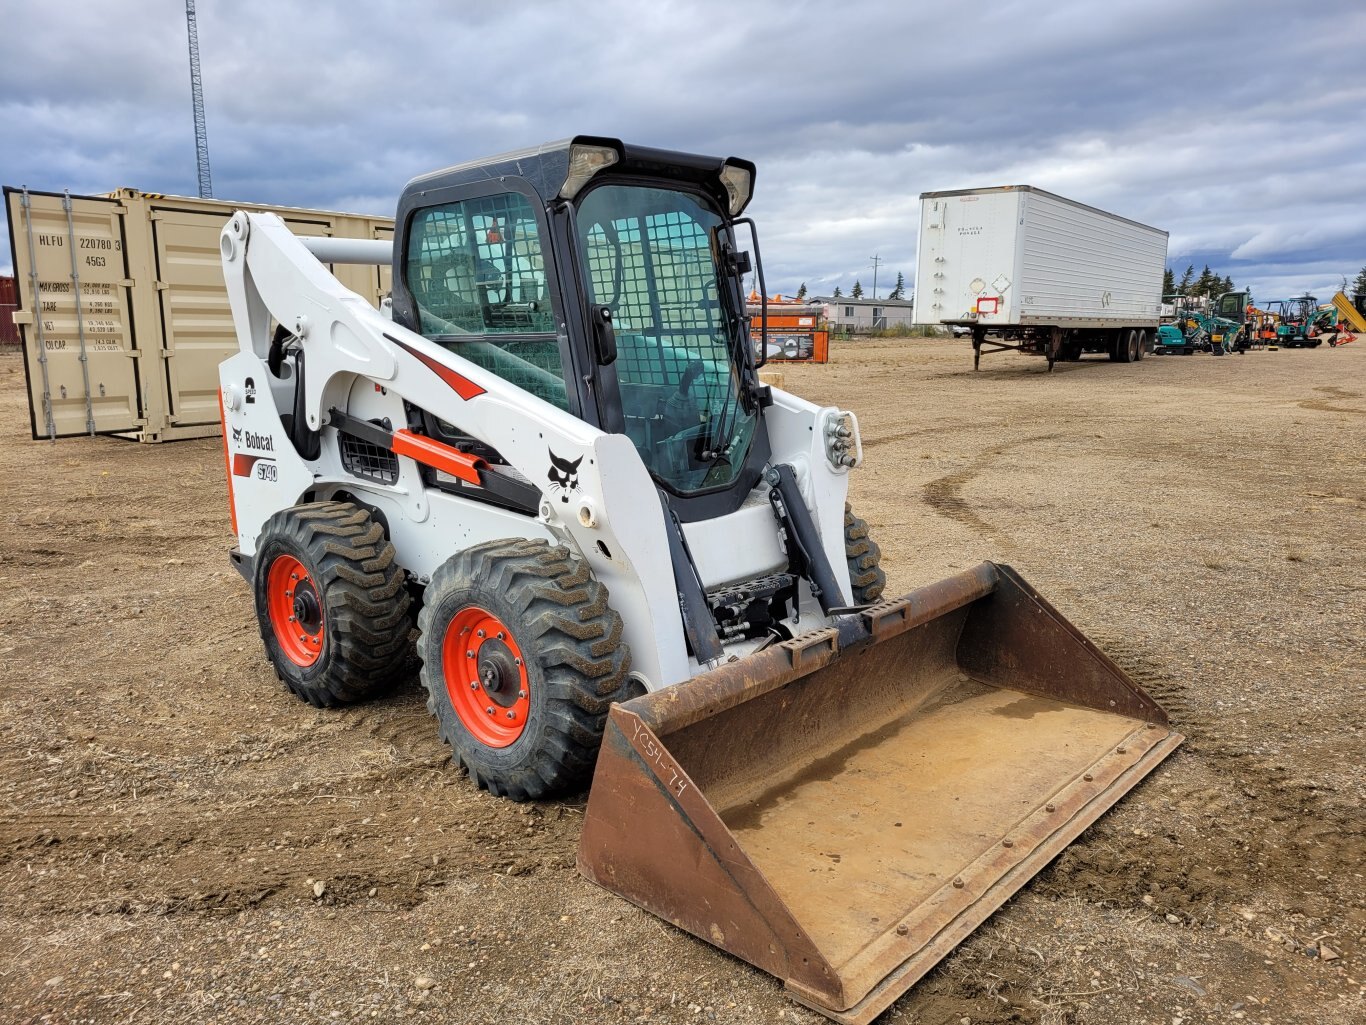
(546, 167)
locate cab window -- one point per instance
(477, 273)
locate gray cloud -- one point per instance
(1235, 126)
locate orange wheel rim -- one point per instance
(486, 677)
(295, 610)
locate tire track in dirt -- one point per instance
(363, 798)
(945, 497)
(401, 841)
(1154, 677)
(1323, 406)
(402, 723)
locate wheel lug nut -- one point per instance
(479, 633)
(489, 710)
(294, 576)
(474, 685)
(469, 654)
(518, 661)
(291, 619)
(500, 635)
(512, 715)
(521, 693)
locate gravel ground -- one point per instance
(183, 841)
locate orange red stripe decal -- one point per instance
(462, 386)
(242, 464)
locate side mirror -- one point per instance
(604, 335)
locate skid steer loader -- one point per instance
(627, 559)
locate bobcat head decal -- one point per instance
(564, 475)
(236, 435)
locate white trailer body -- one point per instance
(1021, 265)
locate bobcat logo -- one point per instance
(236, 435)
(564, 475)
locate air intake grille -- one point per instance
(369, 462)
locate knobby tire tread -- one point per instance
(866, 575)
(367, 608)
(566, 627)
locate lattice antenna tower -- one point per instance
(201, 137)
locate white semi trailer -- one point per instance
(1023, 269)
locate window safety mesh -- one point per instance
(476, 271)
(651, 256)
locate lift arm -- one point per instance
(583, 474)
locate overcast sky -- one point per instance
(1240, 128)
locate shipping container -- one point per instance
(122, 310)
(9, 303)
(1027, 270)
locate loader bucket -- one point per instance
(843, 809)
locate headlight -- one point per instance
(584, 162)
(739, 185)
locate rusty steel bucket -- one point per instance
(842, 809)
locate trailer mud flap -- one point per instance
(843, 809)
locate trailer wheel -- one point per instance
(865, 557)
(1142, 344)
(331, 604)
(1130, 346)
(522, 656)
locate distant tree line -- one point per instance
(898, 290)
(1207, 283)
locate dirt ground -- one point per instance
(183, 841)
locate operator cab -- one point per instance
(605, 279)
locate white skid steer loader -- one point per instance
(635, 563)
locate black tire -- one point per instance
(337, 581)
(1142, 344)
(1128, 345)
(555, 651)
(865, 559)
(1118, 349)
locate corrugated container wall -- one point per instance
(1020, 255)
(9, 303)
(122, 310)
